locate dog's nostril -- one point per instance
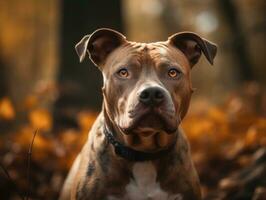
(144, 95)
(158, 95)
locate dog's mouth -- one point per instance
(150, 121)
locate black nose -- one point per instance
(152, 96)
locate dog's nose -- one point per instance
(152, 96)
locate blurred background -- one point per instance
(44, 87)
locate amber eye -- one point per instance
(173, 73)
(123, 73)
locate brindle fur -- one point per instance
(98, 173)
(111, 174)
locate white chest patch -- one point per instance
(144, 185)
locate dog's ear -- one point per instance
(192, 45)
(99, 45)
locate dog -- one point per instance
(136, 149)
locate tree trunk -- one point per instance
(80, 83)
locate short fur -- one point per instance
(98, 173)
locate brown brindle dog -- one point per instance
(136, 149)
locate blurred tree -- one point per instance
(3, 89)
(28, 56)
(79, 84)
(252, 17)
(238, 40)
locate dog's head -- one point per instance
(147, 86)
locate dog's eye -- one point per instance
(173, 73)
(123, 73)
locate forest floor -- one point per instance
(228, 143)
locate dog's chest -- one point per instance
(143, 185)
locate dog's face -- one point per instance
(147, 87)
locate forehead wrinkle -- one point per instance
(140, 54)
(160, 51)
(163, 53)
(124, 55)
(146, 54)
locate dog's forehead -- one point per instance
(156, 52)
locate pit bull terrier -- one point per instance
(136, 149)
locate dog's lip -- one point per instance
(147, 131)
(136, 120)
(139, 112)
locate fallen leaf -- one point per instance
(7, 111)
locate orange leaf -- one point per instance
(40, 119)
(86, 119)
(7, 111)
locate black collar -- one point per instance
(134, 155)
